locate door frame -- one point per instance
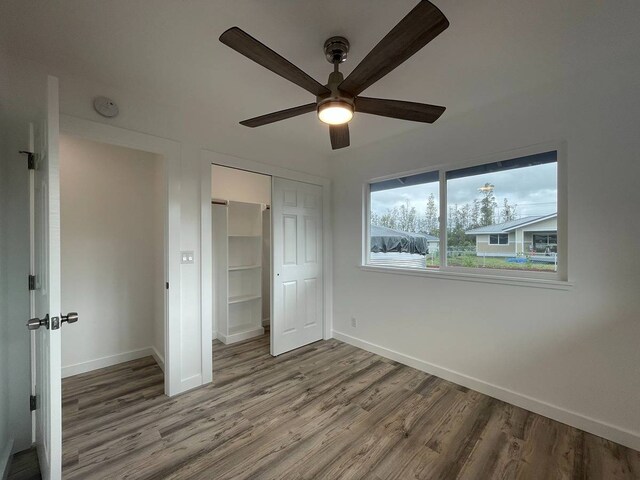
(209, 158)
(171, 153)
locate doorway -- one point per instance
(112, 254)
(241, 237)
(112, 211)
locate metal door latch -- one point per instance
(52, 323)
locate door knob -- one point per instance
(36, 323)
(71, 317)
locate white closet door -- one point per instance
(297, 315)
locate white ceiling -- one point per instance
(169, 49)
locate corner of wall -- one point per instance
(5, 459)
(158, 357)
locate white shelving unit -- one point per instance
(237, 240)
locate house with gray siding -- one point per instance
(532, 235)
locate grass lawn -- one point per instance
(473, 261)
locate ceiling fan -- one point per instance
(337, 101)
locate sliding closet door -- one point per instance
(297, 314)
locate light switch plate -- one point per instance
(186, 257)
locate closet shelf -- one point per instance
(243, 267)
(243, 298)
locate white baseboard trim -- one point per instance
(266, 321)
(5, 459)
(239, 337)
(111, 360)
(606, 430)
(158, 358)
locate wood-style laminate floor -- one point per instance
(24, 466)
(328, 410)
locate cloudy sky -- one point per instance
(533, 189)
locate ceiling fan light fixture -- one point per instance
(335, 112)
(338, 99)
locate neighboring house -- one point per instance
(527, 235)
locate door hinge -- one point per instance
(32, 282)
(167, 285)
(33, 403)
(31, 159)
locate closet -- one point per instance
(241, 253)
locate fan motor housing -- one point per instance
(336, 49)
(335, 95)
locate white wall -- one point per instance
(574, 354)
(5, 440)
(15, 382)
(112, 253)
(160, 275)
(239, 185)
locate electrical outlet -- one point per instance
(354, 322)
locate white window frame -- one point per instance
(552, 280)
(498, 242)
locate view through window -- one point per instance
(501, 215)
(405, 229)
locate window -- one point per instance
(499, 239)
(500, 218)
(404, 227)
(545, 243)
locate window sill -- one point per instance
(473, 277)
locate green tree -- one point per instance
(407, 219)
(508, 211)
(457, 224)
(389, 219)
(488, 205)
(430, 223)
(475, 214)
(465, 217)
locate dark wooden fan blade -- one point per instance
(251, 48)
(277, 116)
(424, 23)
(339, 136)
(416, 112)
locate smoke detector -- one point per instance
(105, 107)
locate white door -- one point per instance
(297, 313)
(46, 296)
